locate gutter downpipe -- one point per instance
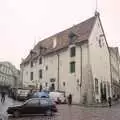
(81, 71)
(110, 72)
(58, 74)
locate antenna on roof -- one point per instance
(96, 8)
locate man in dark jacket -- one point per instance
(109, 101)
(70, 99)
(2, 97)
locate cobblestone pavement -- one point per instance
(68, 113)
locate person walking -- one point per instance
(70, 99)
(2, 97)
(109, 101)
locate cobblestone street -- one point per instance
(68, 113)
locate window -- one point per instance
(96, 86)
(40, 73)
(72, 67)
(72, 52)
(63, 83)
(40, 60)
(46, 84)
(34, 102)
(31, 76)
(100, 43)
(31, 63)
(72, 37)
(46, 67)
(101, 40)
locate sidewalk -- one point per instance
(102, 104)
(98, 104)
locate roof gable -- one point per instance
(82, 31)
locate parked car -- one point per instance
(40, 95)
(58, 97)
(34, 106)
(22, 94)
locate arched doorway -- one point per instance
(103, 92)
(105, 96)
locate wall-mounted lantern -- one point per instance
(79, 83)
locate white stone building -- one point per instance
(115, 70)
(9, 75)
(75, 60)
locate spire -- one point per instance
(96, 9)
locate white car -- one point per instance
(58, 97)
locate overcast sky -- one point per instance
(24, 21)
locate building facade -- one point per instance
(115, 70)
(9, 75)
(75, 61)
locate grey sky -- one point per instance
(23, 21)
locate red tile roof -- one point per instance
(82, 31)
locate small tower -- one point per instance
(97, 13)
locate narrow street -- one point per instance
(67, 113)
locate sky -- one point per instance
(25, 22)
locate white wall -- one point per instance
(99, 57)
(70, 79)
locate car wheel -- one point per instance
(16, 113)
(49, 113)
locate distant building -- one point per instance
(9, 75)
(115, 70)
(75, 61)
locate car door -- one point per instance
(31, 107)
(44, 106)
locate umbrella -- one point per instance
(41, 95)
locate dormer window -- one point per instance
(72, 36)
(54, 42)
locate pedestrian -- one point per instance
(109, 101)
(2, 97)
(70, 99)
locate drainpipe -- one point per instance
(58, 73)
(111, 85)
(81, 71)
